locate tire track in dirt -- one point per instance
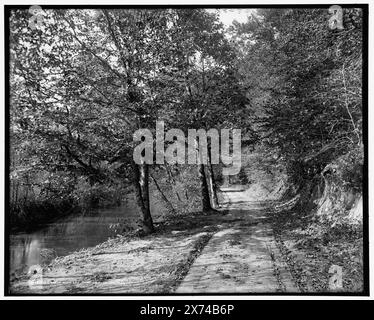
(241, 256)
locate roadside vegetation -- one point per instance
(84, 81)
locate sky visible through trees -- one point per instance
(110, 104)
(82, 82)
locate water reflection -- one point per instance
(67, 235)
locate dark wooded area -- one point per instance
(84, 80)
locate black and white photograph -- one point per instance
(186, 150)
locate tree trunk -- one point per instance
(212, 181)
(173, 182)
(166, 200)
(141, 175)
(204, 189)
(93, 201)
(203, 181)
(16, 197)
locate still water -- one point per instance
(69, 234)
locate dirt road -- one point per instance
(230, 251)
(241, 256)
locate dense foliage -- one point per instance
(305, 80)
(83, 81)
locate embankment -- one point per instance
(319, 229)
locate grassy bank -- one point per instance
(311, 249)
(130, 262)
(30, 214)
(320, 230)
